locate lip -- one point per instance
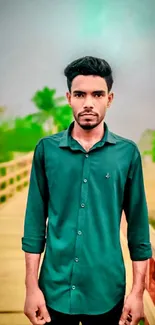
(87, 114)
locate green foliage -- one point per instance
(44, 99)
(146, 153)
(63, 117)
(152, 222)
(5, 154)
(151, 151)
(22, 134)
(153, 147)
(51, 107)
(141, 322)
(19, 136)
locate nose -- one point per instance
(88, 103)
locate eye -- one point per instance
(98, 95)
(79, 95)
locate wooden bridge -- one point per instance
(14, 178)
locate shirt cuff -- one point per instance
(141, 252)
(31, 245)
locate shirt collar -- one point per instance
(65, 140)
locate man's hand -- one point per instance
(134, 306)
(35, 307)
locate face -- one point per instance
(89, 99)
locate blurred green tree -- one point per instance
(5, 154)
(24, 135)
(52, 110)
(153, 147)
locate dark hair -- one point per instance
(89, 65)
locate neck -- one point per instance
(95, 134)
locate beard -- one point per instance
(89, 124)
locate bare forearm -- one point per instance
(139, 274)
(32, 262)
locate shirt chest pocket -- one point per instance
(111, 179)
(117, 180)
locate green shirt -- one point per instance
(80, 196)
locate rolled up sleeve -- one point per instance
(33, 240)
(136, 211)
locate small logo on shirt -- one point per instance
(107, 175)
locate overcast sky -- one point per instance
(38, 38)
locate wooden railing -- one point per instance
(14, 175)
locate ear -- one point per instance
(110, 98)
(68, 95)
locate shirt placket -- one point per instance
(79, 233)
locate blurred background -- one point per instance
(38, 38)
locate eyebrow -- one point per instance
(98, 92)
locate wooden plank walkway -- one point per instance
(12, 270)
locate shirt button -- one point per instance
(82, 205)
(73, 287)
(76, 259)
(85, 180)
(79, 232)
(86, 155)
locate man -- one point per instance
(81, 181)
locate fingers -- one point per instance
(43, 312)
(34, 319)
(40, 317)
(124, 316)
(128, 320)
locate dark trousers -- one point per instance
(110, 318)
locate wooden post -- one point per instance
(14, 176)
